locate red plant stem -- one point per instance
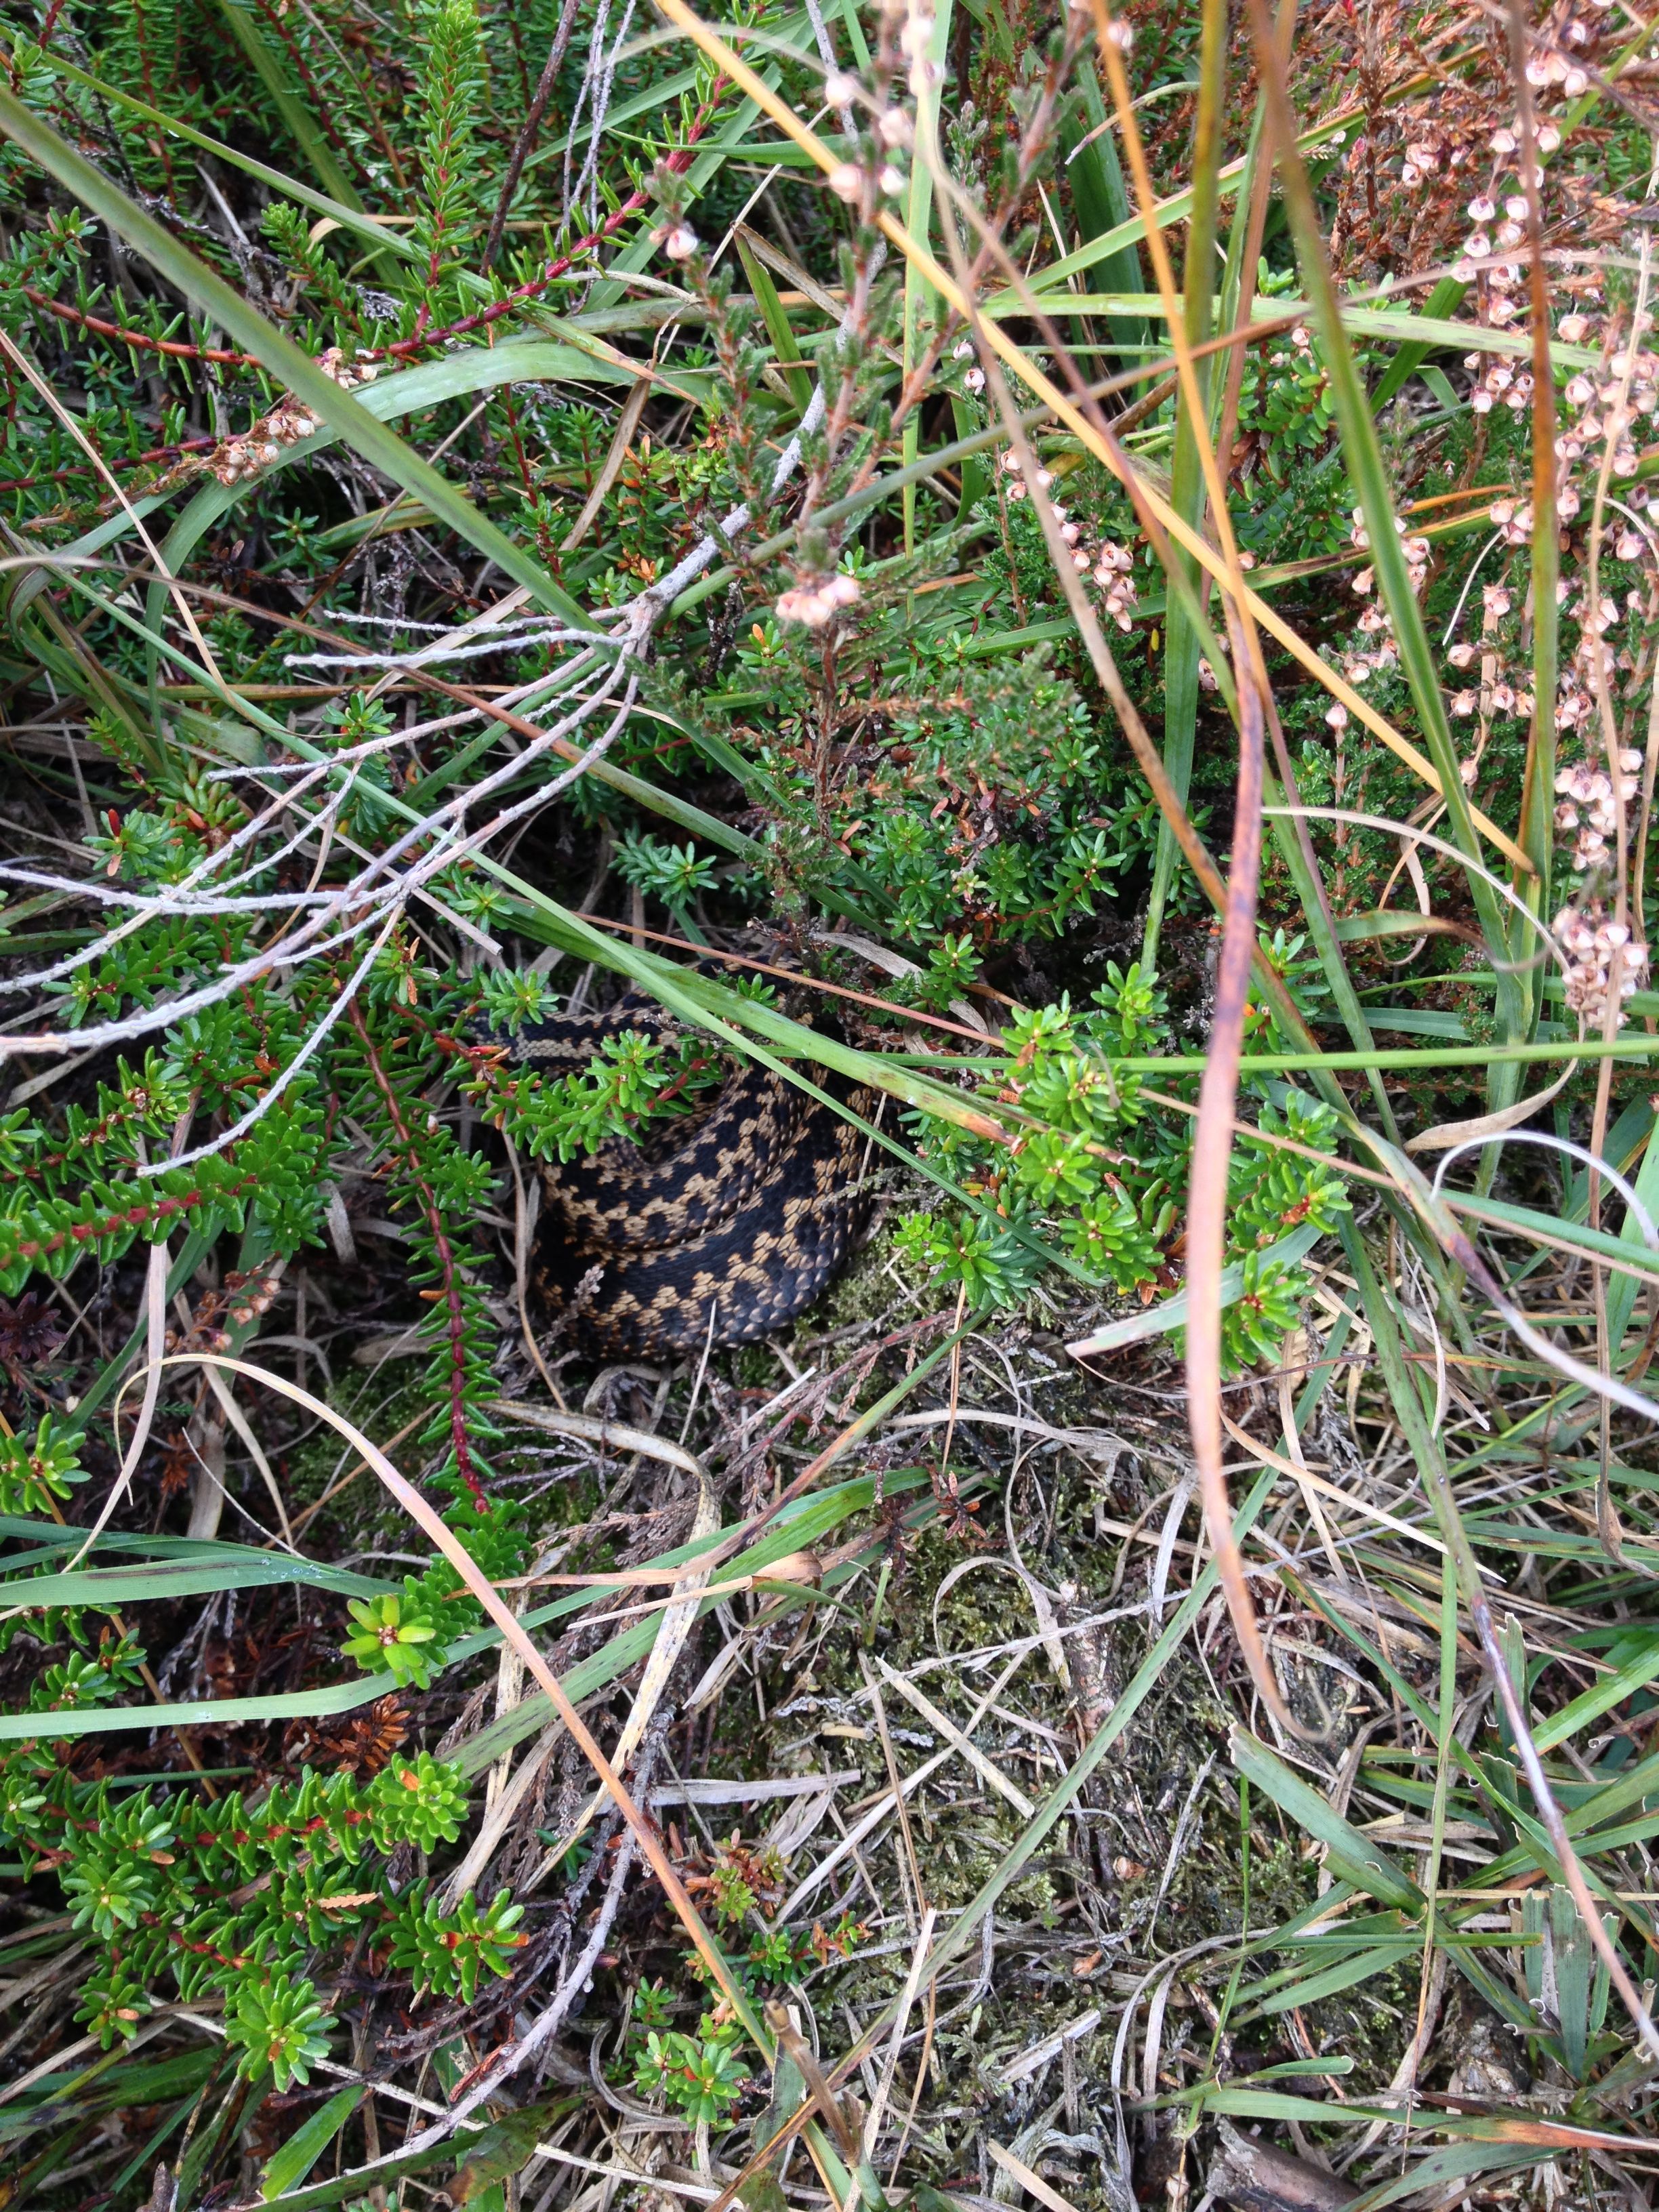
(566, 262)
(132, 1216)
(135, 461)
(451, 1292)
(402, 349)
(678, 161)
(174, 347)
(519, 454)
(318, 100)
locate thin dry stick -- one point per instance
(956, 1387)
(444, 851)
(552, 2015)
(919, 2084)
(525, 144)
(901, 2020)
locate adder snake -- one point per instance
(749, 1206)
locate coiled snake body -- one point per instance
(740, 1213)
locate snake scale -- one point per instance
(742, 1210)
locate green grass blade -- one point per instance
(286, 2168)
(347, 213)
(1172, 1313)
(1349, 1853)
(793, 1530)
(1621, 1290)
(1447, 297)
(778, 326)
(405, 392)
(1363, 457)
(1101, 206)
(108, 1588)
(1327, 944)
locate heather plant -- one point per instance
(232, 1897)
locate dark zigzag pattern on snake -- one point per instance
(749, 1205)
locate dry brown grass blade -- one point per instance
(1207, 1201)
(1538, 775)
(819, 2092)
(1445, 1135)
(155, 1310)
(678, 1618)
(627, 424)
(1032, 2183)
(1297, 1469)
